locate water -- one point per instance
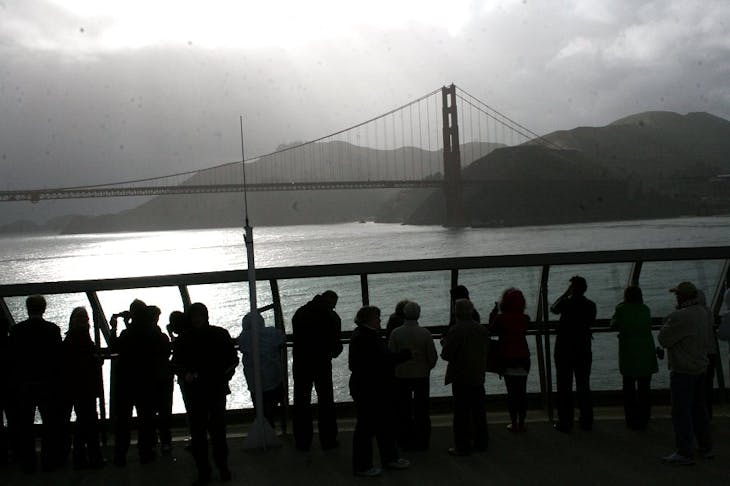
(95, 256)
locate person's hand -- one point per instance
(190, 377)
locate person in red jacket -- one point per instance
(509, 322)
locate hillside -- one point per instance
(654, 164)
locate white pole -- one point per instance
(260, 435)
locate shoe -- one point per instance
(677, 458)
(399, 463)
(707, 453)
(165, 448)
(226, 475)
(330, 445)
(562, 428)
(516, 428)
(456, 452)
(370, 473)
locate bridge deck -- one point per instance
(611, 454)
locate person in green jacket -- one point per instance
(636, 356)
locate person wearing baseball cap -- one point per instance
(684, 335)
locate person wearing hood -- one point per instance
(82, 386)
(271, 344)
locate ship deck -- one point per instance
(610, 454)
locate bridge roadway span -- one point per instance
(611, 454)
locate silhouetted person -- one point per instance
(82, 386)
(412, 379)
(164, 384)
(573, 354)
(465, 349)
(206, 360)
(372, 367)
(271, 343)
(316, 333)
(397, 318)
(35, 354)
(4, 388)
(460, 292)
(510, 326)
(637, 359)
(140, 348)
(177, 326)
(684, 335)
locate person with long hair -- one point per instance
(636, 356)
(82, 386)
(509, 322)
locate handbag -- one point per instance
(494, 357)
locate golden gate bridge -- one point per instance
(423, 143)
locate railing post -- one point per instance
(546, 330)
(101, 326)
(539, 345)
(454, 283)
(364, 289)
(635, 273)
(715, 308)
(279, 324)
(185, 296)
(6, 312)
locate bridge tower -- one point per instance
(452, 159)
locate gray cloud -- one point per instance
(72, 112)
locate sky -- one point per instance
(93, 91)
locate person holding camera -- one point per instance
(573, 356)
(637, 358)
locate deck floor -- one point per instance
(611, 454)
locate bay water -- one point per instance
(94, 256)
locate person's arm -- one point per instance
(557, 307)
(336, 333)
(431, 355)
(673, 331)
(450, 346)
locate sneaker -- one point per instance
(399, 463)
(456, 452)
(677, 458)
(370, 473)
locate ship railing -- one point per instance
(542, 328)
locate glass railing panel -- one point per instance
(487, 285)
(658, 277)
(429, 289)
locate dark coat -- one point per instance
(35, 352)
(577, 315)
(465, 348)
(371, 363)
(82, 367)
(208, 354)
(140, 347)
(316, 333)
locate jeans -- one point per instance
(689, 412)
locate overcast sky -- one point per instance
(93, 91)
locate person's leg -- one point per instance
(385, 433)
(217, 431)
(510, 383)
(302, 417)
(462, 419)
(521, 400)
(145, 405)
(421, 413)
(681, 387)
(643, 401)
(710, 383)
(198, 418)
(700, 420)
(630, 401)
(479, 417)
(122, 427)
(564, 384)
(50, 409)
(404, 412)
(22, 419)
(164, 411)
(326, 417)
(362, 438)
(583, 390)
